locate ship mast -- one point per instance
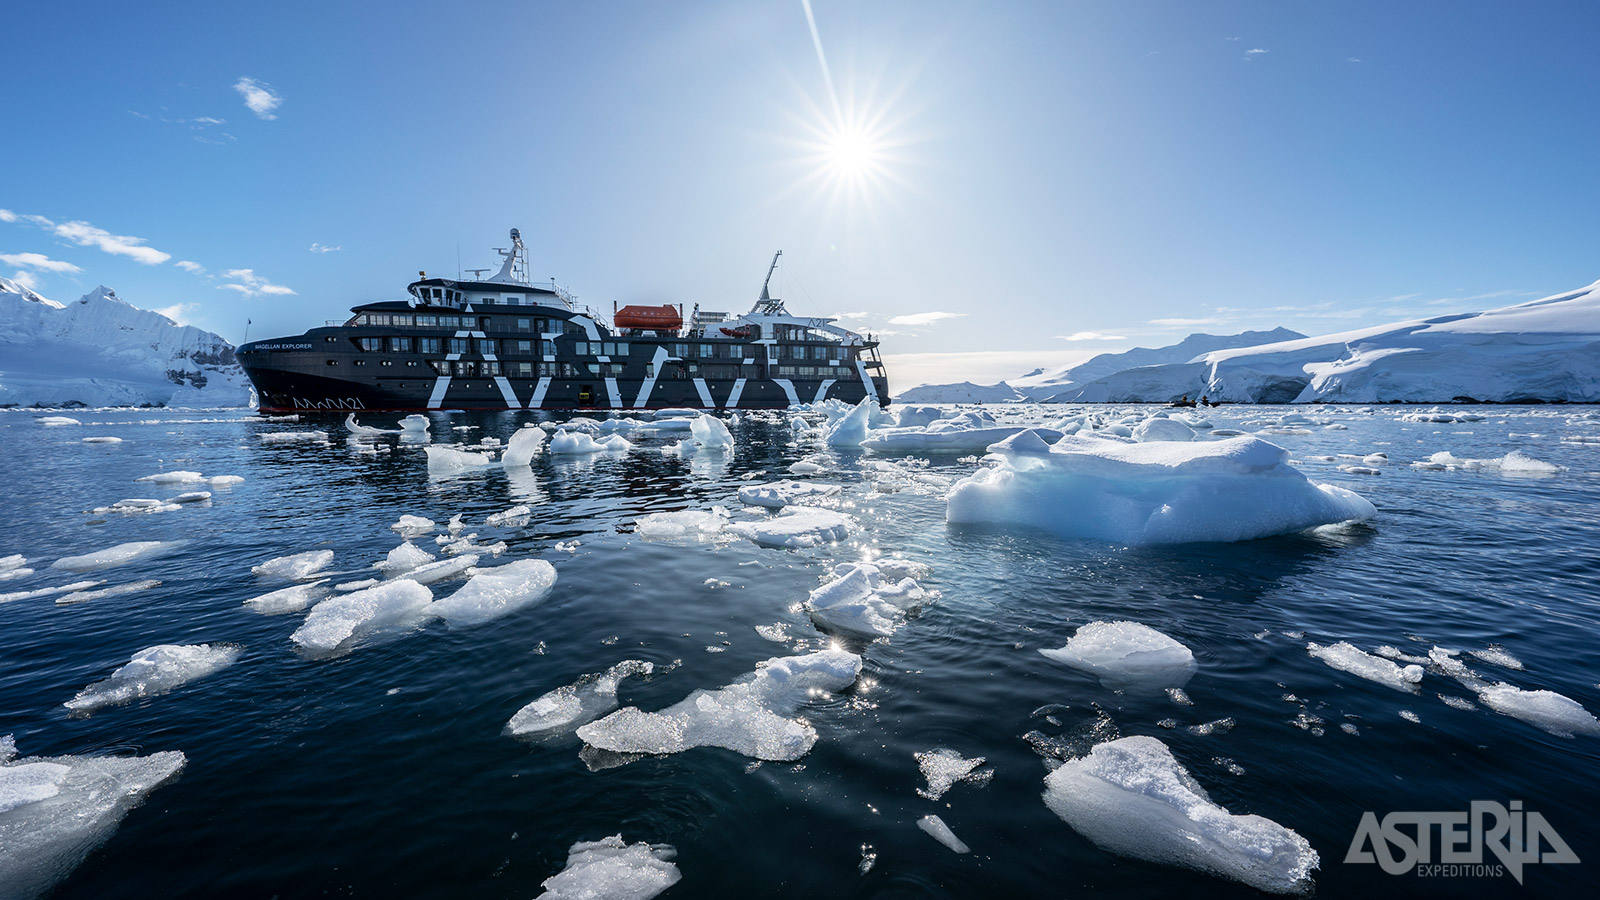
(765, 305)
(515, 269)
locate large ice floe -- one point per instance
(749, 717)
(115, 556)
(610, 869)
(1127, 655)
(796, 528)
(1556, 713)
(492, 593)
(683, 525)
(290, 599)
(1347, 657)
(1132, 797)
(155, 670)
(579, 703)
(447, 462)
(1514, 463)
(1149, 493)
(869, 599)
(296, 565)
(333, 624)
(55, 810)
(778, 494)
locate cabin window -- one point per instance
(376, 319)
(386, 362)
(490, 368)
(649, 370)
(525, 348)
(399, 345)
(441, 366)
(524, 370)
(547, 348)
(330, 339)
(370, 345)
(608, 349)
(430, 345)
(427, 321)
(400, 321)
(486, 346)
(524, 324)
(573, 327)
(450, 321)
(359, 320)
(360, 362)
(460, 345)
(706, 350)
(411, 363)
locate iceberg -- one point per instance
(749, 717)
(610, 869)
(576, 704)
(153, 671)
(523, 446)
(1152, 493)
(492, 593)
(1131, 797)
(334, 623)
(1127, 655)
(444, 462)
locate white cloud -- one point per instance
(176, 312)
(7, 215)
(926, 318)
(261, 99)
(1352, 59)
(1254, 52)
(208, 120)
(1090, 336)
(37, 261)
(848, 315)
(248, 283)
(26, 279)
(190, 266)
(85, 235)
(323, 248)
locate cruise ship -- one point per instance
(503, 342)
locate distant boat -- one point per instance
(506, 343)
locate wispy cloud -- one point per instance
(259, 97)
(85, 235)
(248, 283)
(37, 261)
(190, 266)
(7, 215)
(848, 315)
(26, 279)
(1352, 59)
(324, 248)
(1090, 336)
(927, 318)
(1255, 52)
(177, 312)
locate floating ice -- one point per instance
(516, 515)
(609, 869)
(136, 506)
(357, 428)
(114, 556)
(1359, 470)
(414, 423)
(85, 596)
(444, 568)
(14, 561)
(710, 433)
(1153, 493)
(917, 416)
(747, 717)
(225, 480)
(692, 524)
(290, 437)
(960, 435)
(56, 421)
(797, 528)
(1497, 656)
(289, 599)
(782, 493)
(102, 440)
(574, 443)
(866, 599)
(1514, 463)
(1346, 657)
(570, 706)
(345, 587)
(412, 526)
(939, 831)
(806, 467)
(334, 623)
(9, 574)
(49, 591)
(295, 566)
(1131, 797)
(492, 593)
(1162, 429)
(444, 462)
(52, 819)
(1127, 655)
(524, 445)
(192, 497)
(179, 477)
(943, 768)
(1556, 713)
(155, 670)
(852, 428)
(403, 559)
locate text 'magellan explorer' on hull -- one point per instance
(506, 343)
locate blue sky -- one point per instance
(999, 186)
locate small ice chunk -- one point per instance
(1359, 470)
(155, 670)
(570, 706)
(691, 524)
(524, 445)
(806, 467)
(295, 566)
(136, 505)
(1497, 656)
(403, 559)
(939, 831)
(747, 717)
(14, 561)
(778, 633)
(1346, 657)
(47, 837)
(444, 462)
(290, 599)
(444, 568)
(9, 574)
(492, 593)
(609, 869)
(943, 767)
(573, 443)
(1162, 429)
(797, 528)
(515, 516)
(414, 423)
(291, 437)
(57, 421)
(333, 623)
(49, 591)
(411, 526)
(782, 493)
(1130, 796)
(114, 556)
(1556, 713)
(225, 480)
(129, 588)
(192, 497)
(863, 599)
(1127, 655)
(102, 440)
(345, 587)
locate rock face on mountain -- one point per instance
(100, 350)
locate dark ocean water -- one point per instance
(386, 772)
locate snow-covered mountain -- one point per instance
(102, 351)
(1042, 385)
(965, 392)
(1546, 350)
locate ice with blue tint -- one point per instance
(1160, 428)
(154, 671)
(492, 593)
(1132, 797)
(1151, 493)
(611, 869)
(866, 599)
(523, 447)
(447, 462)
(121, 554)
(796, 528)
(290, 599)
(777, 494)
(1347, 657)
(296, 565)
(688, 524)
(579, 703)
(574, 443)
(403, 559)
(333, 624)
(1127, 655)
(750, 716)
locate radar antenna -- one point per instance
(515, 269)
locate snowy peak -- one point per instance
(7, 286)
(1042, 385)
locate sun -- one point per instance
(852, 153)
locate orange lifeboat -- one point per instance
(653, 318)
(743, 332)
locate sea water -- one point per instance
(387, 767)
